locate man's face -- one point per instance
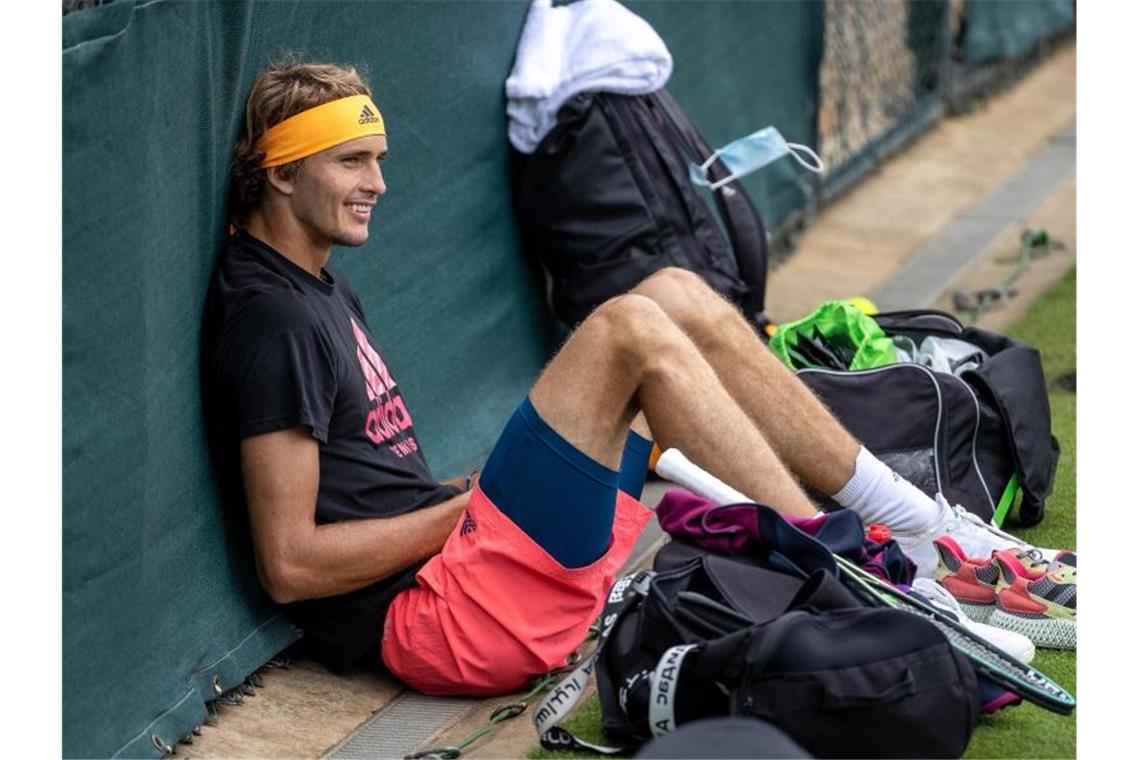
(335, 190)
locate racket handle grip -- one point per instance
(675, 466)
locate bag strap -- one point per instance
(663, 688)
(741, 218)
(624, 595)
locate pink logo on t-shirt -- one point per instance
(389, 417)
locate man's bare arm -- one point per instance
(298, 559)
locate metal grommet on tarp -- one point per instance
(161, 745)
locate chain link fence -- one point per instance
(891, 69)
(879, 82)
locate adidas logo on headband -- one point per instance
(367, 116)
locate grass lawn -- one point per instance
(1027, 730)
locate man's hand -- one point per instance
(298, 559)
(463, 482)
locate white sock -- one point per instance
(878, 494)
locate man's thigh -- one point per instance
(561, 498)
(588, 391)
(556, 494)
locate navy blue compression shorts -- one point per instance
(560, 497)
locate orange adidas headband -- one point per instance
(319, 128)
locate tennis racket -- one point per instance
(1002, 668)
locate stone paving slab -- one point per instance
(300, 712)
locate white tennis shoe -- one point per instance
(976, 537)
(1008, 641)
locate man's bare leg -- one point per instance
(630, 356)
(641, 427)
(803, 432)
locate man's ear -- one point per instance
(281, 181)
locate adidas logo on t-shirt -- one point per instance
(468, 525)
(367, 116)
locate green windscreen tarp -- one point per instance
(161, 604)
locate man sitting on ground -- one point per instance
(473, 587)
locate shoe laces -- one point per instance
(1027, 563)
(1032, 554)
(962, 513)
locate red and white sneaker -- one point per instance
(975, 582)
(1042, 607)
(971, 581)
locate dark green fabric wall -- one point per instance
(160, 599)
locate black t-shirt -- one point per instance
(282, 348)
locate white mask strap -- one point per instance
(709, 161)
(722, 182)
(817, 167)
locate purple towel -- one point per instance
(756, 530)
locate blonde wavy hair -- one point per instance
(284, 89)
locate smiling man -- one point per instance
(473, 587)
(308, 427)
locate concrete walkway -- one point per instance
(957, 198)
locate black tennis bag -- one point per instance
(724, 738)
(605, 201)
(977, 436)
(714, 636)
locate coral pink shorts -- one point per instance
(493, 608)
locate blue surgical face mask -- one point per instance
(747, 154)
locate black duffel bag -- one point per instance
(977, 436)
(719, 637)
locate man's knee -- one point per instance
(673, 283)
(689, 301)
(632, 325)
